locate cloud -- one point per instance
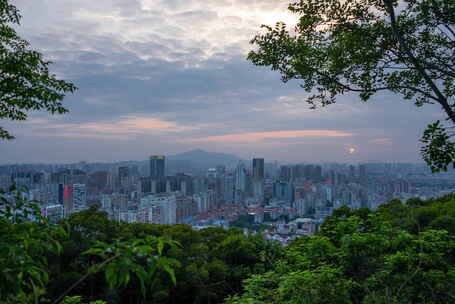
(126, 128)
(171, 75)
(253, 138)
(190, 27)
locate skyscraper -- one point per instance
(258, 168)
(285, 173)
(123, 174)
(228, 188)
(79, 197)
(157, 165)
(220, 170)
(258, 178)
(68, 199)
(283, 191)
(240, 177)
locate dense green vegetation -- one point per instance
(400, 253)
(98, 259)
(210, 264)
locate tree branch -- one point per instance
(449, 29)
(82, 279)
(375, 89)
(442, 100)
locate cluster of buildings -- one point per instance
(289, 200)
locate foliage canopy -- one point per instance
(368, 46)
(26, 83)
(90, 256)
(401, 253)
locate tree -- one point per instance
(23, 248)
(362, 256)
(30, 248)
(26, 83)
(368, 46)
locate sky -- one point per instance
(169, 76)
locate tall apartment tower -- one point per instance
(240, 177)
(157, 165)
(258, 168)
(68, 199)
(79, 197)
(258, 178)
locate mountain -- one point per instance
(205, 159)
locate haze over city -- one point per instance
(166, 77)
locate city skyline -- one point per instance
(146, 160)
(130, 193)
(290, 199)
(160, 78)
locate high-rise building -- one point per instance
(68, 199)
(158, 209)
(296, 172)
(240, 183)
(240, 178)
(285, 174)
(283, 191)
(229, 188)
(186, 207)
(79, 197)
(157, 166)
(120, 202)
(200, 184)
(212, 173)
(258, 168)
(60, 189)
(145, 185)
(317, 173)
(98, 179)
(308, 172)
(268, 189)
(258, 178)
(106, 202)
(258, 189)
(123, 175)
(168, 211)
(220, 170)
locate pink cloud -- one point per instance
(77, 135)
(127, 127)
(260, 136)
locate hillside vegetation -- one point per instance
(401, 253)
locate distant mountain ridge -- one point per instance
(206, 158)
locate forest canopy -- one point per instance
(401, 253)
